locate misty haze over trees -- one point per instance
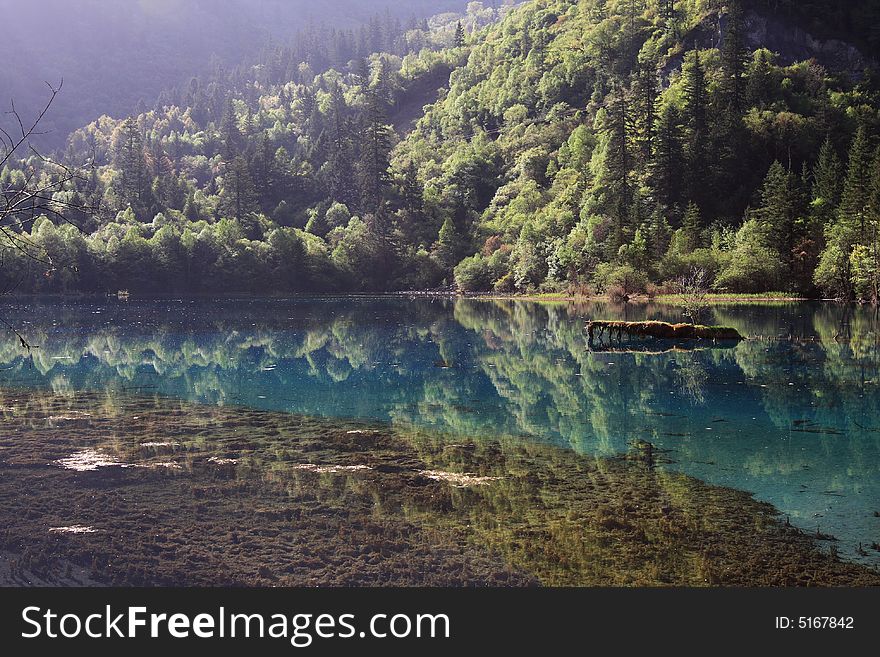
(118, 57)
(543, 146)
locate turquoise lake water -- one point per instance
(792, 415)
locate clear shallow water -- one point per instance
(796, 422)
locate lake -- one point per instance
(478, 436)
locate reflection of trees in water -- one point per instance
(329, 347)
(821, 385)
(805, 408)
(535, 369)
(553, 384)
(330, 495)
(512, 366)
(692, 377)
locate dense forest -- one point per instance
(117, 57)
(605, 145)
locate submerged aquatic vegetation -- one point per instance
(396, 507)
(89, 460)
(800, 416)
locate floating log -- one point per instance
(660, 331)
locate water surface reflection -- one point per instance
(793, 417)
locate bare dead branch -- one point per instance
(42, 189)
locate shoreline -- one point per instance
(671, 299)
(668, 299)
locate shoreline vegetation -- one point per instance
(670, 144)
(127, 490)
(545, 297)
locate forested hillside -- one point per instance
(611, 145)
(627, 143)
(117, 54)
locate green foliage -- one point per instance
(754, 264)
(458, 40)
(177, 51)
(474, 274)
(865, 267)
(848, 265)
(657, 180)
(587, 142)
(625, 277)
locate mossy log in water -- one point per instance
(660, 331)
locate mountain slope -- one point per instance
(112, 55)
(622, 146)
(615, 143)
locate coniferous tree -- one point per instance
(237, 194)
(230, 134)
(412, 204)
(167, 191)
(645, 110)
(362, 72)
(691, 229)
(459, 38)
(734, 56)
(857, 186)
(668, 160)
(777, 211)
(131, 163)
(632, 9)
(382, 84)
(450, 244)
(695, 115)
(339, 151)
(375, 154)
(848, 231)
(826, 185)
(617, 170)
(761, 85)
(729, 174)
(865, 259)
(263, 167)
(666, 9)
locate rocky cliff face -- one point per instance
(793, 44)
(789, 42)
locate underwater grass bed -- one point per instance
(126, 490)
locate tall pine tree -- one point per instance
(375, 154)
(857, 187)
(668, 161)
(459, 38)
(734, 56)
(131, 163)
(696, 121)
(827, 178)
(230, 134)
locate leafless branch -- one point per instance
(694, 289)
(41, 188)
